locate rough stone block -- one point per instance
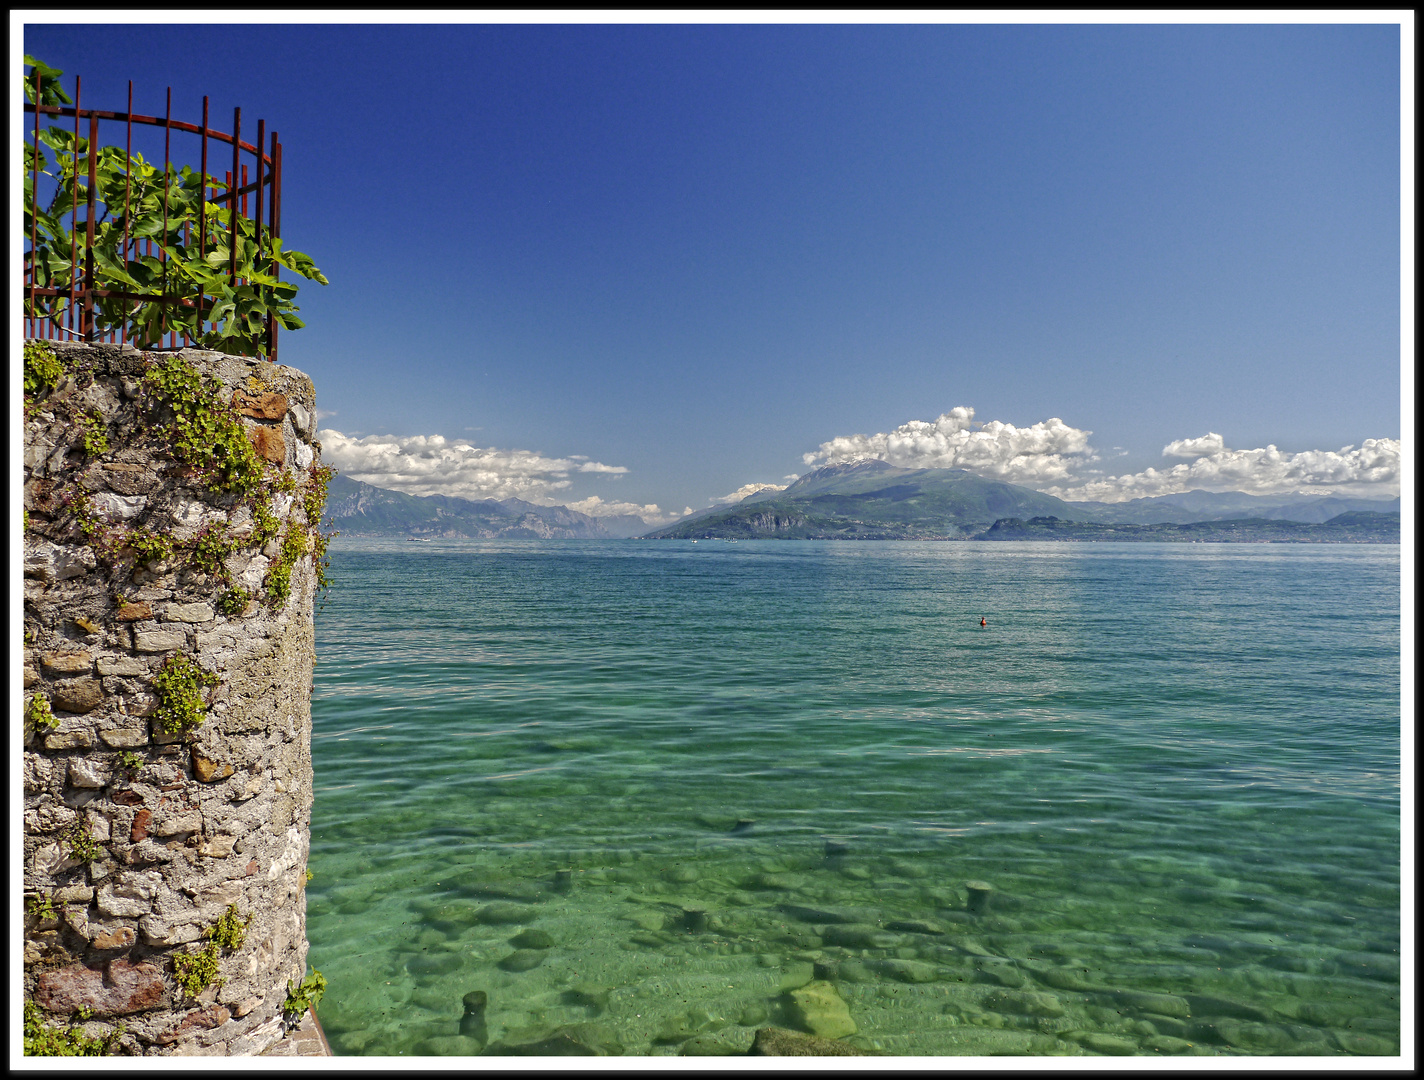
(189, 613)
(70, 735)
(78, 695)
(154, 641)
(121, 665)
(269, 406)
(217, 847)
(67, 663)
(269, 444)
(115, 937)
(118, 989)
(173, 823)
(160, 931)
(131, 895)
(124, 738)
(31, 676)
(208, 770)
(87, 773)
(139, 609)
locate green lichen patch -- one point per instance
(178, 686)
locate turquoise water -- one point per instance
(771, 763)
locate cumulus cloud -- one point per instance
(1371, 469)
(1209, 444)
(1046, 452)
(1054, 457)
(435, 465)
(745, 490)
(593, 506)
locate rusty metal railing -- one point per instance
(76, 317)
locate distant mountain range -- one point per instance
(357, 509)
(874, 500)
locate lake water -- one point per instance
(642, 793)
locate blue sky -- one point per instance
(648, 265)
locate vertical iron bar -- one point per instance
(89, 205)
(257, 216)
(162, 249)
(35, 209)
(203, 212)
(272, 232)
(276, 226)
(128, 185)
(74, 213)
(232, 192)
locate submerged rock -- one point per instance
(450, 1046)
(502, 914)
(779, 1042)
(523, 960)
(909, 971)
(532, 939)
(1024, 1003)
(817, 1008)
(472, 1023)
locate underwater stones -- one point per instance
(908, 971)
(710, 1046)
(858, 936)
(680, 875)
(854, 971)
(587, 995)
(1161, 1004)
(1363, 1043)
(1166, 1044)
(752, 1014)
(779, 1042)
(694, 920)
(523, 960)
(1024, 1003)
(472, 1022)
(651, 921)
(743, 826)
(434, 963)
(1369, 965)
(1100, 1043)
(449, 1046)
(796, 974)
(856, 873)
(979, 893)
(783, 882)
(563, 881)
(826, 915)
(819, 1009)
(532, 938)
(501, 914)
(562, 1044)
(915, 926)
(1202, 1005)
(836, 849)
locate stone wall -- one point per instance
(137, 840)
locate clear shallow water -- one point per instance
(1177, 766)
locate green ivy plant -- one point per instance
(82, 845)
(96, 436)
(43, 368)
(168, 210)
(39, 715)
(195, 972)
(302, 997)
(44, 1040)
(206, 432)
(233, 602)
(178, 685)
(230, 931)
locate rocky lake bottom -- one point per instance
(621, 798)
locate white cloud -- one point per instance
(1209, 444)
(593, 506)
(435, 465)
(1372, 469)
(1043, 453)
(745, 490)
(1056, 458)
